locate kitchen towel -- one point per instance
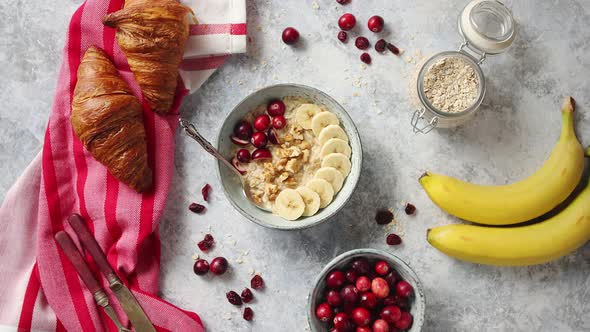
(39, 288)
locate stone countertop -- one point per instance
(509, 138)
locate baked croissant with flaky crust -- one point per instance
(108, 119)
(152, 34)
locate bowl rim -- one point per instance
(296, 226)
(418, 290)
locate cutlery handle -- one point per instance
(89, 242)
(74, 256)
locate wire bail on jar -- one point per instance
(419, 115)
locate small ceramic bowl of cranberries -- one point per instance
(366, 290)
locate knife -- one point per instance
(128, 302)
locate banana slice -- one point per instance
(322, 188)
(311, 200)
(339, 161)
(304, 113)
(322, 120)
(332, 131)
(336, 145)
(332, 175)
(289, 204)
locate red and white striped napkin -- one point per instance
(39, 288)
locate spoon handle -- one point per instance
(191, 131)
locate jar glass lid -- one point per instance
(487, 26)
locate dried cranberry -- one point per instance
(257, 282)
(393, 239)
(410, 209)
(405, 321)
(275, 108)
(201, 267)
(383, 216)
(209, 238)
(404, 289)
(290, 36)
(366, 58)
(342, 36)
(233, 298)
(393, 48)
(361, 43)
(196, 208)
(380, 45)
(375, 23)
(346, 21)
(247, 295)
(205, 192)
(335, 279)
(333, 298)
(248, 314)
(218, 265)
(324, 312)
(362, 266)
(361, 316)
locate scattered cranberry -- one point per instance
(279, 122)
(205, 192)
(393, 239)
(196, 208)
(380, 326)
(380, 288)
(257, 282)
(375, 23)
(238, 141)
(243, 155)
(343, 2)
(204, 245)
(392, 278)
(333, 298)
(351, 276)
(262, 122)
(247, 295)
(380, 45)
(248, 314)
(405, 321)
(290, 36)
(324, 312)
(366, 58)
(393, 48)
(362, 266)
(261, 153)
(259, 140)
(382, 268)
(243, 130)
(342, 36)
(335, 279)
(361, 316)
(410, 209)
(347, 21)
(383, 216)
(404, 289)
(209, 238)
(233, 298)
(201, 267)
(218, 265)
(349, 294)
(361, 43)
(368, 300)
(363, 284)
(390, 314)
(275, 108)
(341, 321)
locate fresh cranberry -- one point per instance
(324, 312)
(366, 58)
(363, 329)
(204, 245)
(218, 265)
(238, 166)
(398, 301)
(196, 208)
(383, 216)
(233, 298)
(382, 268)
(275, 108)
(393, 239)
(201, 267)
(335, 279)
(362, 266)
(342, 36)
(243, 130)
(380, 288)
(392, 278)
(272, 136)
(259, 140)
(375, 23)
(362, 43)
(333, 298)
(410, 209)
(238, 141)
(346, 21)
(390, 314)
(248, 314)
(247, 295)
(351, 276)
(205, 192)
(368, 300)
(257, 282)
(405, 321)
(341, 321)
(262, 122)
(380, 45)
(290, 36)
(363, 284)
(361, 316)
(343, 2)
(404, 289)
(380, 326)
(278, 122)
(349, 294)
(243, 155)
(393, 48)
(262, 153)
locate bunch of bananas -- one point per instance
(515, 203)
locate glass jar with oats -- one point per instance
(451, 85)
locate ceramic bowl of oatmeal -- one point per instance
(299, 151)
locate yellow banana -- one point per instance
(520, 201)
(516, 246)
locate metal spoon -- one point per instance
(192, 132)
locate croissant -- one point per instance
(108, 119)
(152, 34)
